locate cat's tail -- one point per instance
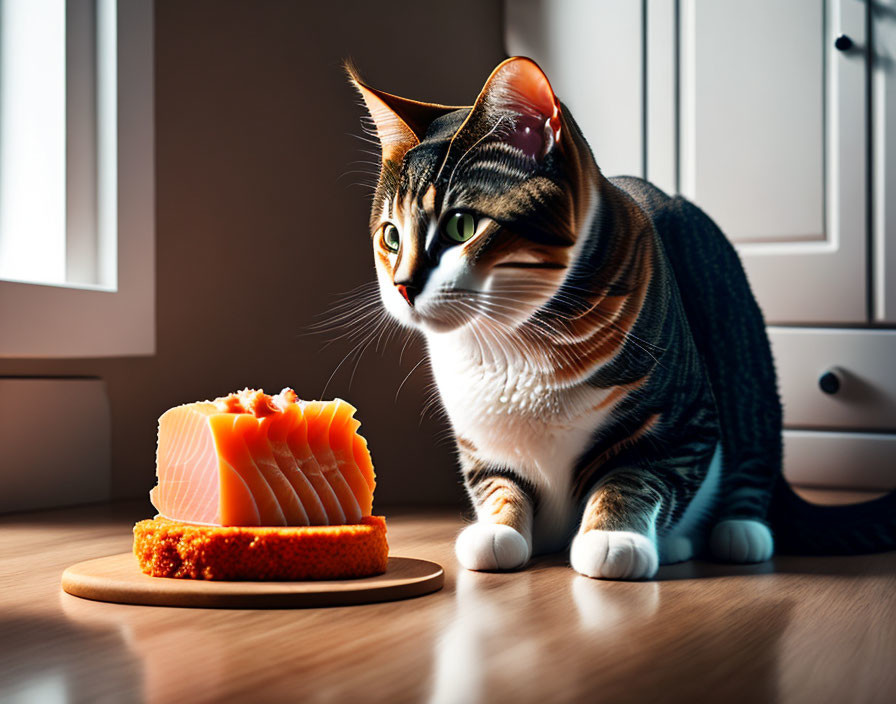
(810, 529)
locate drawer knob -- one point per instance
(843, 43)
(829, 382)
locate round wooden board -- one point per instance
(118, 578)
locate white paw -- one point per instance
(491, 546)
(740, 540)
(614, 555)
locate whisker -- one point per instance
(413, 369)
(404, 346)
(356, 347)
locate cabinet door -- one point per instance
(772, 144)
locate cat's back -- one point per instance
(688, 234)
(727, 326)
(707, 268)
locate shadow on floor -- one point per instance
(839, 565)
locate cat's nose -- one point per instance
(408, 291)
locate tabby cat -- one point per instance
(595, 343)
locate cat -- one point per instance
(594, 341)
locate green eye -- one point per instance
(460, 226)
(391, 238)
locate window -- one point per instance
(76, 178)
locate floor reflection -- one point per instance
(166, 667)
(36, 663)
(495, 645)
(369, 652)
(602, 606)
(166, 663)
(484, 635)
(46, 688)
(558, 636)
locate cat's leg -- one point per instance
(741, 534)
(501, 538)
(617, 536)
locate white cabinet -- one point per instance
(753, 133)
(772, 144)
(786, 137)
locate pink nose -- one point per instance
(403, 290)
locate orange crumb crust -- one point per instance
(166, 548)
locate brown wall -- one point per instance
(259, 225)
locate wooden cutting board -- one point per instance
(117, 578)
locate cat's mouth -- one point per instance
(530, 265)
(442, 313)
(453, 308)
(501, 305)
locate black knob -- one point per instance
(829, 382)
(843, 43)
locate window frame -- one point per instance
(60, 321)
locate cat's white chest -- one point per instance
(518, 421)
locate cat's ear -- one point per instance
(400, 123)
(519, 95)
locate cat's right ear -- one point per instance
(400, 124)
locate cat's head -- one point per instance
(476, 210)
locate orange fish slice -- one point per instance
(250, 459)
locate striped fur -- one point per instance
(595, 342)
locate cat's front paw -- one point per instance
(610, 554)
(492, 546)
(741, 540)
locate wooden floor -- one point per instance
(796, 630)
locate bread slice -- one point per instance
(166, 548)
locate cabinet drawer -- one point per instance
(841, 460)
(864, 363)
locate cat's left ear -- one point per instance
(518, 92)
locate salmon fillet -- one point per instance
(250, 459)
